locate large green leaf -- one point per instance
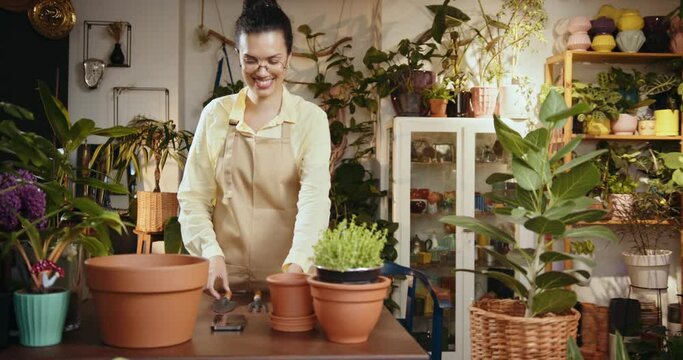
(554, 256)
(506, 200)
(88, 206)
(16, 111)
(621, 353)
(93, 246)
(527, 177)
(580, 160)
(511, 140)
(554, 300)
(555, 279)
(478, 227)
(559, 210)
(99, 184)
(173, 240)
(439, 24)
(554, 103)
(115, 131)
(56, 113)
(504, 260)
(526, 199)
(591, 232)
(539, 137)
(672, 160)
(567, 149)
(584, 215)
(80, 130)
(543, 225)
(559, 118)
(509, 281)
(498, 178)
(576, 182)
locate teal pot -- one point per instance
(5, 306)
(41, 317)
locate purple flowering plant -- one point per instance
(40, 213)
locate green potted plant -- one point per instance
(150, 140)
(348, 292)
(438, 96)
(550, 197)
(603, 107)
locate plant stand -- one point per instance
(659, 299)
(145, 239)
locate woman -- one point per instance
(254, 195)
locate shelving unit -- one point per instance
(571, 57)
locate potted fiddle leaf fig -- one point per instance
(348, 293)
(549, 199)
(151, 141)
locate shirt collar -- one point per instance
(286, 113)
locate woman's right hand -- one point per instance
(217, 270)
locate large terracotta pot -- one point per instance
(348, 312)
(146, 301)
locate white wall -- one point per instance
(165, 54)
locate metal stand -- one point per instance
(659, 299)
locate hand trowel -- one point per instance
(224, 304)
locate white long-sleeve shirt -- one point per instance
(310, 139)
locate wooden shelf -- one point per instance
(611, 57)
(630, 137)
(621, 222)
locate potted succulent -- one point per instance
(348, 292)
(150, 140)
(550, 196)
(438, 96)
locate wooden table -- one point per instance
(257, 341)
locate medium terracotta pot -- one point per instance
(437, 107)
(290, 295)
(146, 301)
(347, 312)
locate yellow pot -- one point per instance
(603, 43)
(630, 20)
(667, 122)
(597, 127)
(610, 12)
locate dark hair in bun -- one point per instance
(261, 16)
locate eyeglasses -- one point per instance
(253, 64)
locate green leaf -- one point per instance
(580, 160)
(559, 211)
(591, 232)
(526, 199)
(554, 256)
(621, 352)
(33, 236)
(543, 225)
(173, 240)
(511, 140)
(506, 200)
(677, 177)
(554, 104)
(580, 108)
(539, 137)
(304, 29)
(504, 260)
(80, 130)
(573, 351)
(115, 131)
(567, 149)
(88, 206)
(576, 182)
(16, 111)
(498, 178)
(478, 227)
(555, 279)
(93, 246)
(439, 24)
(55, 112)
(98, 184)
(554, 300)
(672, 160)
(526, 176)
(585, 215)
(509, 281)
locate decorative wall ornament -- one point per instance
(93, 71)
(53, 19)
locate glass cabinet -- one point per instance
(439, 167)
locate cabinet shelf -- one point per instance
(630, 137)
(610, 57)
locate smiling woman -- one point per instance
(260, 156)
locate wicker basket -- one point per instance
(499, 330)
(154, 208)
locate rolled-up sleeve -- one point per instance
(197, 191)
(313, 204)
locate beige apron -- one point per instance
(255, 205)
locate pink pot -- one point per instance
(579, 24)
(579, 41)
(625, 125)
(484, 100)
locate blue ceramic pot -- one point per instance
(40, 317)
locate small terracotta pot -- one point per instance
(348, 312)
(437, 107)
(290, 295)
(146, 301)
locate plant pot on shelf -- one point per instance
(292, 303)
(656, 35)
(630, 41)
(597, 127)
(630, 19)
(348, 312)
(40, 317)
(499, 330)
(511, 102)
(603, 25)
(626, 124)
(603, 43)
(649, 271)
(646, 127)
(460, 106)
(407, 100)
(437, 107)
(154, 208)
(146, 301)
(484, 100)
(578, 28)
(666, 122)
